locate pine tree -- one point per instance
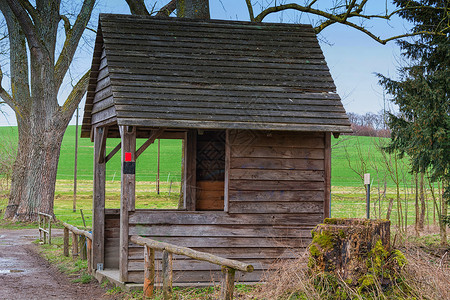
(422, 128)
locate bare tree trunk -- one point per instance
(444, 212)
(422, 203)
(416, 183)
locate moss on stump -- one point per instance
(353, 250)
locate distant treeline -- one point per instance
(370, 124)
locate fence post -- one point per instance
(82, 247)
(49, 231)
(167, 275)
(149, 271)
(74, 245)
(89, 254)
(227, 289)
(66, 242)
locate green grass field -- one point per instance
(348, 195)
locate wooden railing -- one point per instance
(45, 219)
(82, 252)
(229, 266)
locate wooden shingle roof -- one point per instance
(210, 74)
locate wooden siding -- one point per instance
(111, 238)
(216, 74)
(276, 196)
(283, 170)
(256, 238)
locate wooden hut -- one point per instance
(255, 105)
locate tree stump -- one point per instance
(343, 247)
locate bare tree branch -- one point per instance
(74, 97)
(27, 25)
(30, 9)
(7, 98)
(250, 10)
(73, 37)
(167, 9)
(353, 10)
(67, 25)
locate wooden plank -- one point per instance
(210, 203)
(221, 231)
(220, 218)
(276, 185)
(276, 151)
(276, 164)
(310, 83)
(254, 256)
(127, 197)
(113, 152)
(98, 212)
(190, 171)
(277, 175)
(204, 124)
(186, 264)
(103, 115)
(227, 171)
(282, 207)
(327, 168)
(229, 242)
(265, 196)
(282, 139)
(232, 94)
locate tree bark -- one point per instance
(36, 76)
(193, 9)
(422, 203)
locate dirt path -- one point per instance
(26, 275)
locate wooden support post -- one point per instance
(89, 255)
(74, 245)
(82, 247)
(149, 271)
(66, 242)
(227, 289)
(227, 170)
(127, 196)
(167, 275)
(327, 168)
(190, 179)
(98, 212)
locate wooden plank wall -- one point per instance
(112, 231)
(276, 172)
(277, 191)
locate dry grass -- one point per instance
(426, 276)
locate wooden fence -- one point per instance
(45, 228)
(229, 266)
(82, 252)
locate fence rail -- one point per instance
(78, 248)
(45, 228)
(229, 266)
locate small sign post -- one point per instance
(367, 184)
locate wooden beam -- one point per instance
(103, 136)
(190, 177)
(152, 138)
(227, 170)
(113, 152)
(127, 195)
(327, 169)
(98, 211)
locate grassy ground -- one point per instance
(358, 148)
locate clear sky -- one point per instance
(353, 57)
